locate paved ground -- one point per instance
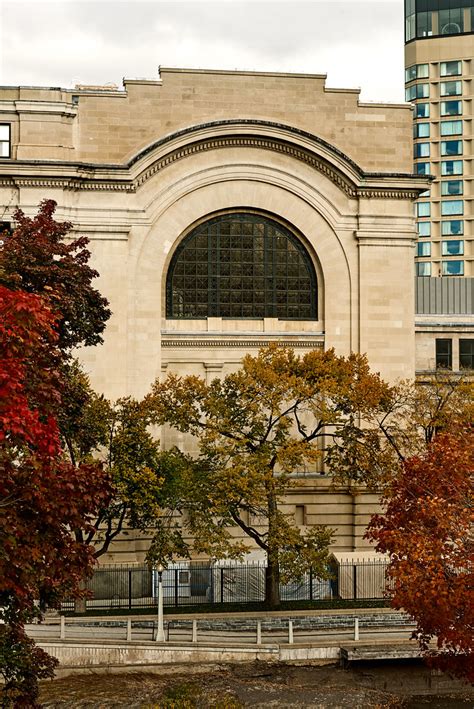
(379, 686)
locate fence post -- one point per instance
(290, 632)
(129, 629)
(176, 577)
(195, 631)
(130, 589)
(259, 632)
(356, 628)
(62, 628)
(222, 585)
(311, 584)
(354, 582)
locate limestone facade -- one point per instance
(136, 170)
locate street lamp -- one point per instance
(160, 633)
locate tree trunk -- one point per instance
(80, 603)
(272, 582)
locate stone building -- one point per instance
(227, 210)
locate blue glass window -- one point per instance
(452, 268)
(451, 167)
(453, 227)
(454, 206)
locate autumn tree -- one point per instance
(426, 529)
(371, 450)
(41, 496)
(256, 428)
(40, 257)
(145, 479)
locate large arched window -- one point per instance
(241, 265)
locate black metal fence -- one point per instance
(190, 584)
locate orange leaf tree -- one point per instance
(427, 530)
(256, 428)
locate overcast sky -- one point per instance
(64, 42)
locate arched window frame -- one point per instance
(269, 231)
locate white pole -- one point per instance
(356, 628)
(259, 632)
(290, 632)
(160, 633)
(195, 631)
(129, 629)
(62, 628)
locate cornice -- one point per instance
(121, 178)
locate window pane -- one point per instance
(4, 149)
(451, 128)
(422, 71)
(410, 73)
(410, 93)
(451, 88)
(423, 209)
(451, 21)
(451, 108)
(452, 268)
(451, 147)
(450, 68)
(454, 227)
(422, 168)
(451, 187)
(422, 130)
(423, 269)
(423, 24)
(443, 353)
(422, 110)
(452, 207)
(424, 248)
(424, 228)
(452, 248)
(4, 131)
(451, 167)
(422, 90)
(421, 150)
(466, 354)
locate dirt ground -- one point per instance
(257, 685)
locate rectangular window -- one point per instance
(422, 110)
(417, 91)
(424, 228)
(451, 147)
(452, 248)
(424, 26)
(444, 354)
(451, 108)
(454, 206)
(451, 88)
(410, 73)
(454, 227)
(423, 268)
(422, 168)
(451, 21)
(300, 515)
(421, 150)
(451, 167)
(5, 141)
(450, 188)
(466, 354)
(451, 128)
(450, 69)
(452, 268)
(423, 209)
(421, 130)
(424, 248)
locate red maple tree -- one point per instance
(42, 498)
(427, 530)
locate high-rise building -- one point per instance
(439, 80)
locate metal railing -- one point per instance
(191, 584)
